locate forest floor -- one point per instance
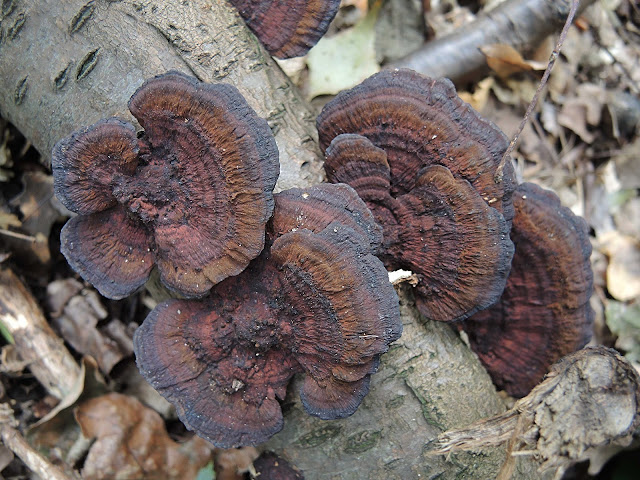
(583, 142)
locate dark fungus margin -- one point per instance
(316, 302)
(419, 121)
(544, 312)
(192, 194)
(288, 29)
(441, 229)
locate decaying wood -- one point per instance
(429, 382)
(14, 441)
(589, 400)
(518, 23)
(36, 343)
(67, 64)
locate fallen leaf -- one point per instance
(478, 99)
(76, 314)
(583, 110)
(628, 165)
(57, 434)
(131, 441)
(623, 271)
(506, 60)
(232, 463)
(36, 203)
(345, 59)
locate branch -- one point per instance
(518, 23)
(35, 341)
(64, 65)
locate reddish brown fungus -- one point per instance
(194, 191)
(419, 121)
(544, 312)
(316, 302)
(269, 466)
(288, 29)
(315, 208)
(441, 229)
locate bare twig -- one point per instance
(36, 343)
(14, 441)
(541, 85)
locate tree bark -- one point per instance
(68, 64)
(64, 65)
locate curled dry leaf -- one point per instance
(506, 60)
(76, 313)
(132, 442)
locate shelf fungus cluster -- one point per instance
(293, 284)
(316, 301)
(288, 29)
(427, 165)
(429, 168)
(191, 194)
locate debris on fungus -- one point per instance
(288, 29)
(191, 195)
(428, 167)
(544, 312)
(316, 301)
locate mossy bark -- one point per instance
(67, 64)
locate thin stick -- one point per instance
(543, 82)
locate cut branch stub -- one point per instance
(197, 185)
(544, 312)
(442, 230)
(419, 121)
(288, 29)
(315, 302)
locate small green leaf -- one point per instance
(344, 60)
(206, 472)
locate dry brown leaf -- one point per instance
(478, 99)
(506, 60)
(623, 271)
(232, 463)
(76, 314)
(131, 442)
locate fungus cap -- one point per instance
(419, 121)
(198, 182)
(441, 229)
(544, 312)
(288, 29)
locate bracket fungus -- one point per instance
(190, 194)
(429, 168)
(316, 301)
(544, 312)
(288, 29)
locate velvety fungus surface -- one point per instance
(315, 302)
(194, 189)
(544, 312)
(419, 121)
(288, 28)
(442, 229)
